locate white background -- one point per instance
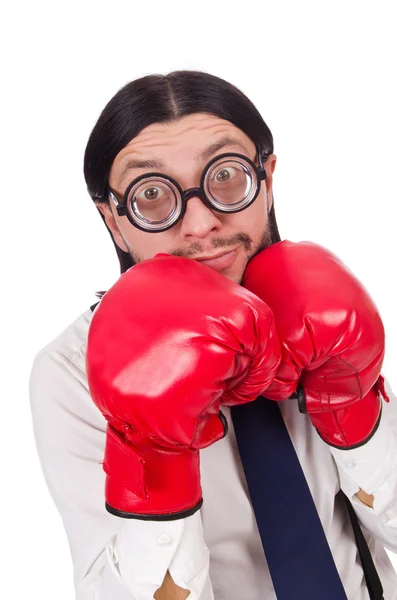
(323, 75)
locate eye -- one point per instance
(225, 174)
(151, 193)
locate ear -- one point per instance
(270, 165)
(111, 222)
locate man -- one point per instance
(156, 139)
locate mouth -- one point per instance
(220, 261)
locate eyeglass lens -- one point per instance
(229, 184)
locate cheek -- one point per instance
(253, 220)
(146, 245)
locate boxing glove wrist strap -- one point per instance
(149, 482)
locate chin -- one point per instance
(235, 275)
(236, 272)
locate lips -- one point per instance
(219, 262)
(205, 258)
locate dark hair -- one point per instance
(163, 99)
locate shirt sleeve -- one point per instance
(70, 438)
(143, 551)
(373, 468)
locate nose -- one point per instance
(199, 220)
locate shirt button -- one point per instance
(385, 519)
(164, 540)
(351, 464)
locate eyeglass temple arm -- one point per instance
(121, 209)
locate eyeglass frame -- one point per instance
(185, 195)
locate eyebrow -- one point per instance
(225, 141)
(136, 163)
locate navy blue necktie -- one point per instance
(296, 549)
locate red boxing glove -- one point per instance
(166, 342)
(331, 335)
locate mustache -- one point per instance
(220, 242)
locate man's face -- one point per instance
(226, 241)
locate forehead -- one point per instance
(183, 140)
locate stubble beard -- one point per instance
(243, 239)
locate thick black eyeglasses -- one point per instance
(155, 202)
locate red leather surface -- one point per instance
(167, 342)
(331, 334)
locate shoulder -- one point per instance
(71, 339)
(58, 374)
(68, 347)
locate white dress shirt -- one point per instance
(217, 552)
